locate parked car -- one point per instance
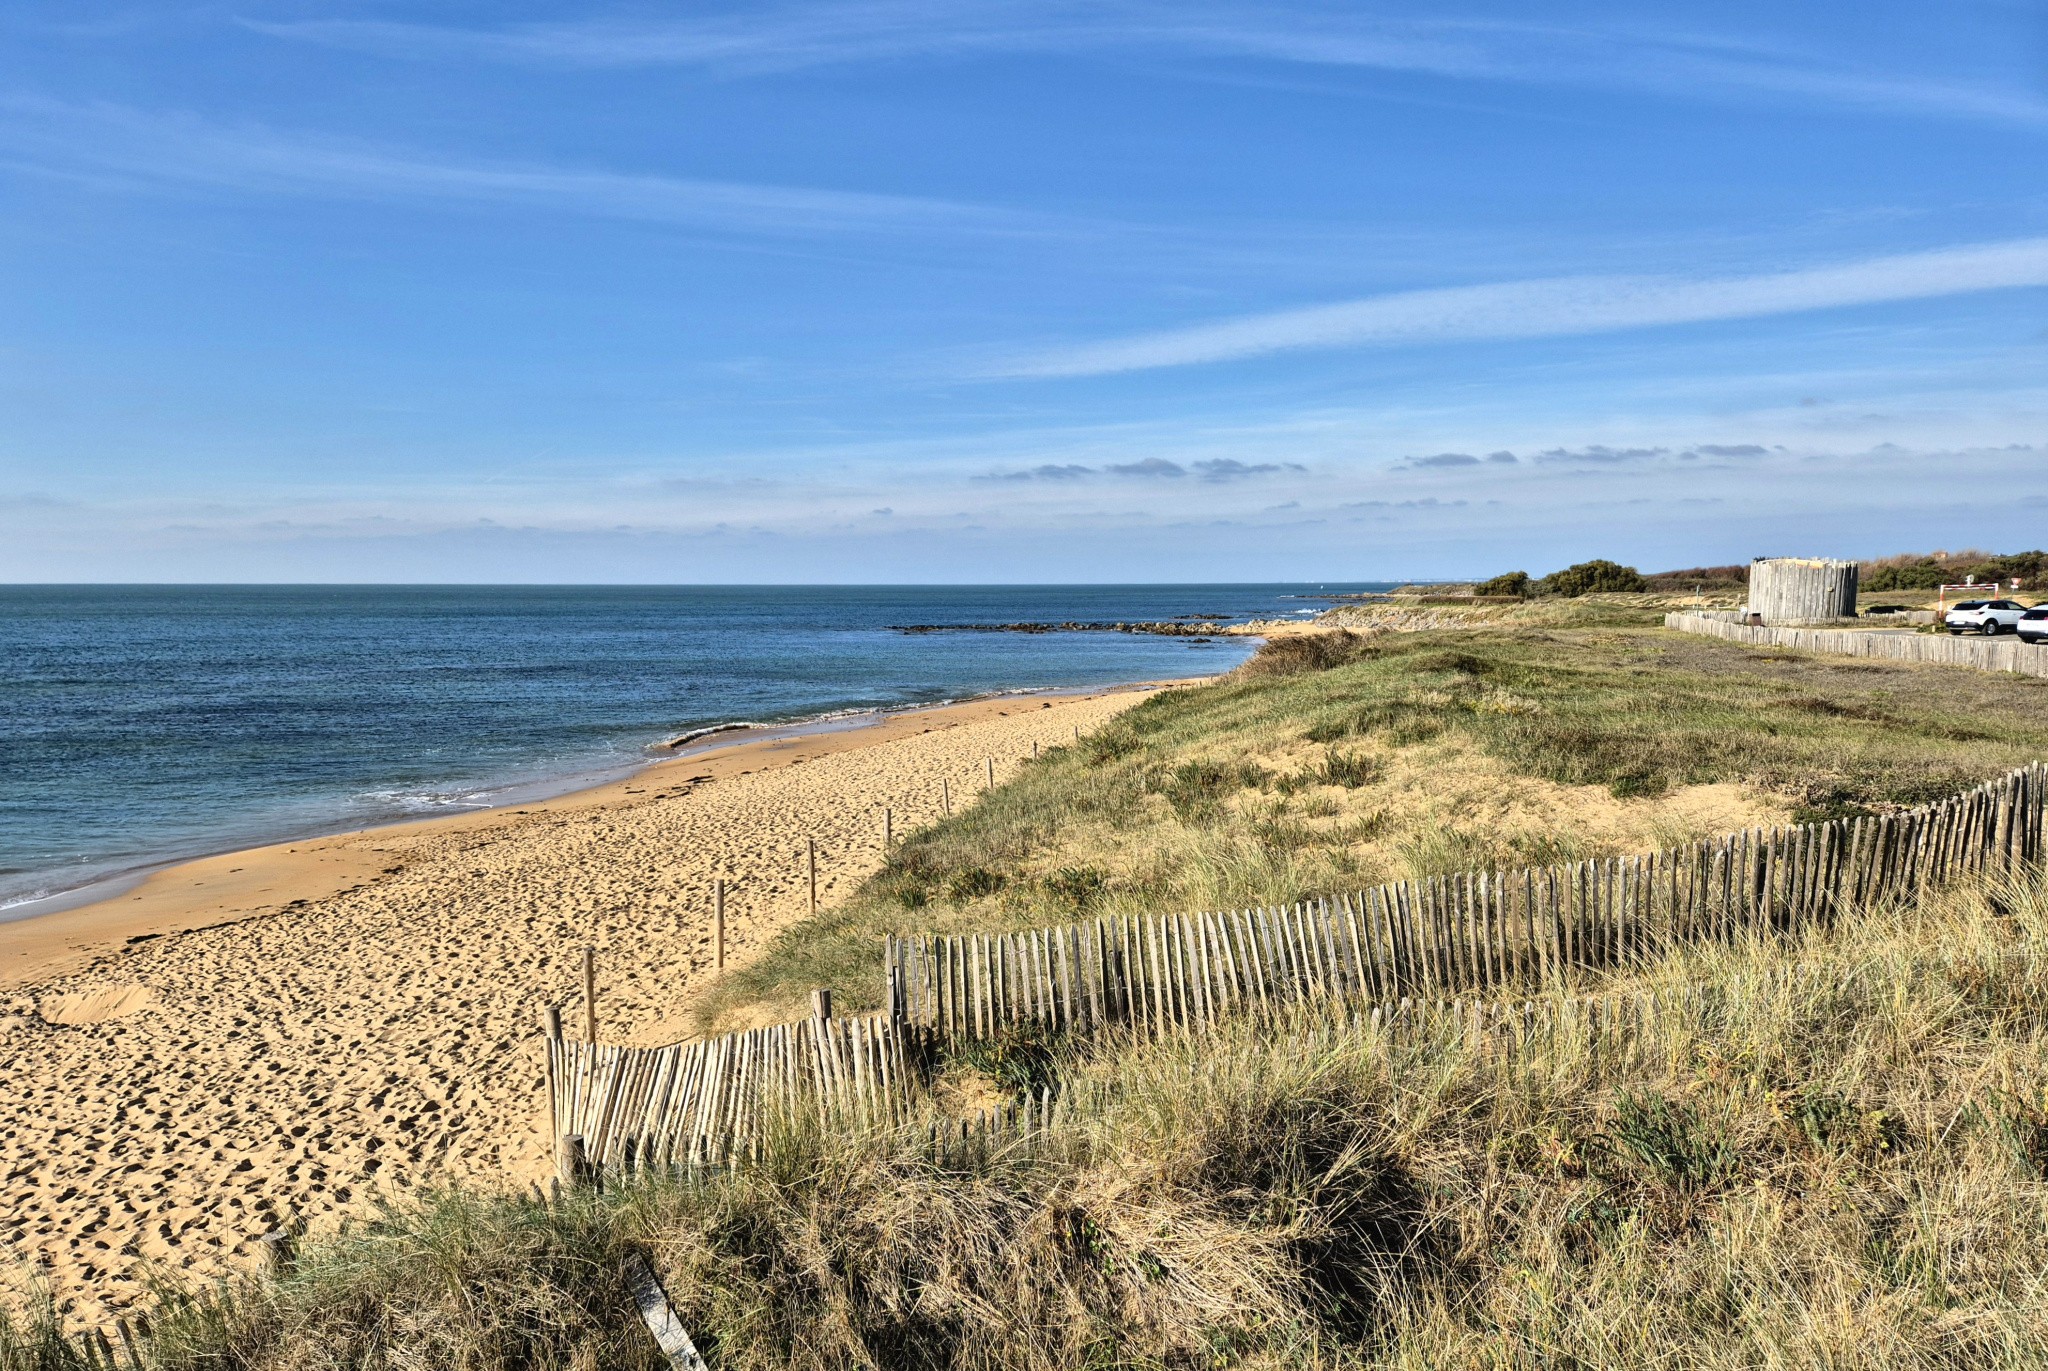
(2033, 625)
(1989, 617)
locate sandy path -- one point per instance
(174, 1094)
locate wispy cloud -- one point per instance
(1458, 459)
(1599, 454)
(1672, 63)
(1211, 469)
(1556, 307)
(179, 149)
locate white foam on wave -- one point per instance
(28, 897)
(422, 801)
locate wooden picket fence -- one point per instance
(703, 1102)
(1938, 649)
(1491, 933)
(1613, 1033)
(1409, 945)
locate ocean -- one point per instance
(146, 724)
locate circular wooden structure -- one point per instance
(1802, 590)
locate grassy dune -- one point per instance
(1338, 761)
(1836, 1155)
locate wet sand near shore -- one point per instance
(288, 1030)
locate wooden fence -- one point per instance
(700, 1102)
(1613, 1031)
(1939, 649)
(1492, 933)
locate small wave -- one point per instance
(685, 739)
(423, 801)
(802, 721)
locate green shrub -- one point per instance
(1294, 654)
(1078, 888)
(1587, 578)
(1196, 789)
(1509, 583)
(974, 882)
(1673, 1142)
(1926, 573)
(1348, 769)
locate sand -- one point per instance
(290, 1030)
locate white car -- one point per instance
(1989, 617)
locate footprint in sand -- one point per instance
(96, 1006)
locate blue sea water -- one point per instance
(142, 724)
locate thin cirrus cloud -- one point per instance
(1683, 63)
(1557, 307)
(1212, 469)
(148, 147)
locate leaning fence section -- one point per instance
(1489, 932)
(1613, 1034)
(701, 1102)
(1938, 649)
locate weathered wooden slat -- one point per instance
(660, 1316)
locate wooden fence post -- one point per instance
(717, 925)
(888, 828)
(590, 994)
(572, 1160)
(129, 1344)
(821, 1004)
(274, 1252)
(946, 796)
(811, 866)
(990, 762)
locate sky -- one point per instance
(915, 291)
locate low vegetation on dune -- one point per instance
(1908, 571)
(1925, 571)
(1828, 1153)
(1336, 761)
(1827, 1150)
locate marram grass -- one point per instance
(1826, 1152)
(1331, 762)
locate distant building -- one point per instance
(1801, 590)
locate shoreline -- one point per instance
(289, 1032)
(108, 886)
(111, 884)
(188, 894)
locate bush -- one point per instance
(1299, 653)
(1587, 578)
(1508, 583)
(1909, 572)
(1196, 789)
(1348, 769)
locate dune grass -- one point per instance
(1833, 1153)
(1339, 761)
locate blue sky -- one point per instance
(917, 291)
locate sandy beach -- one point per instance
(289, 1030)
